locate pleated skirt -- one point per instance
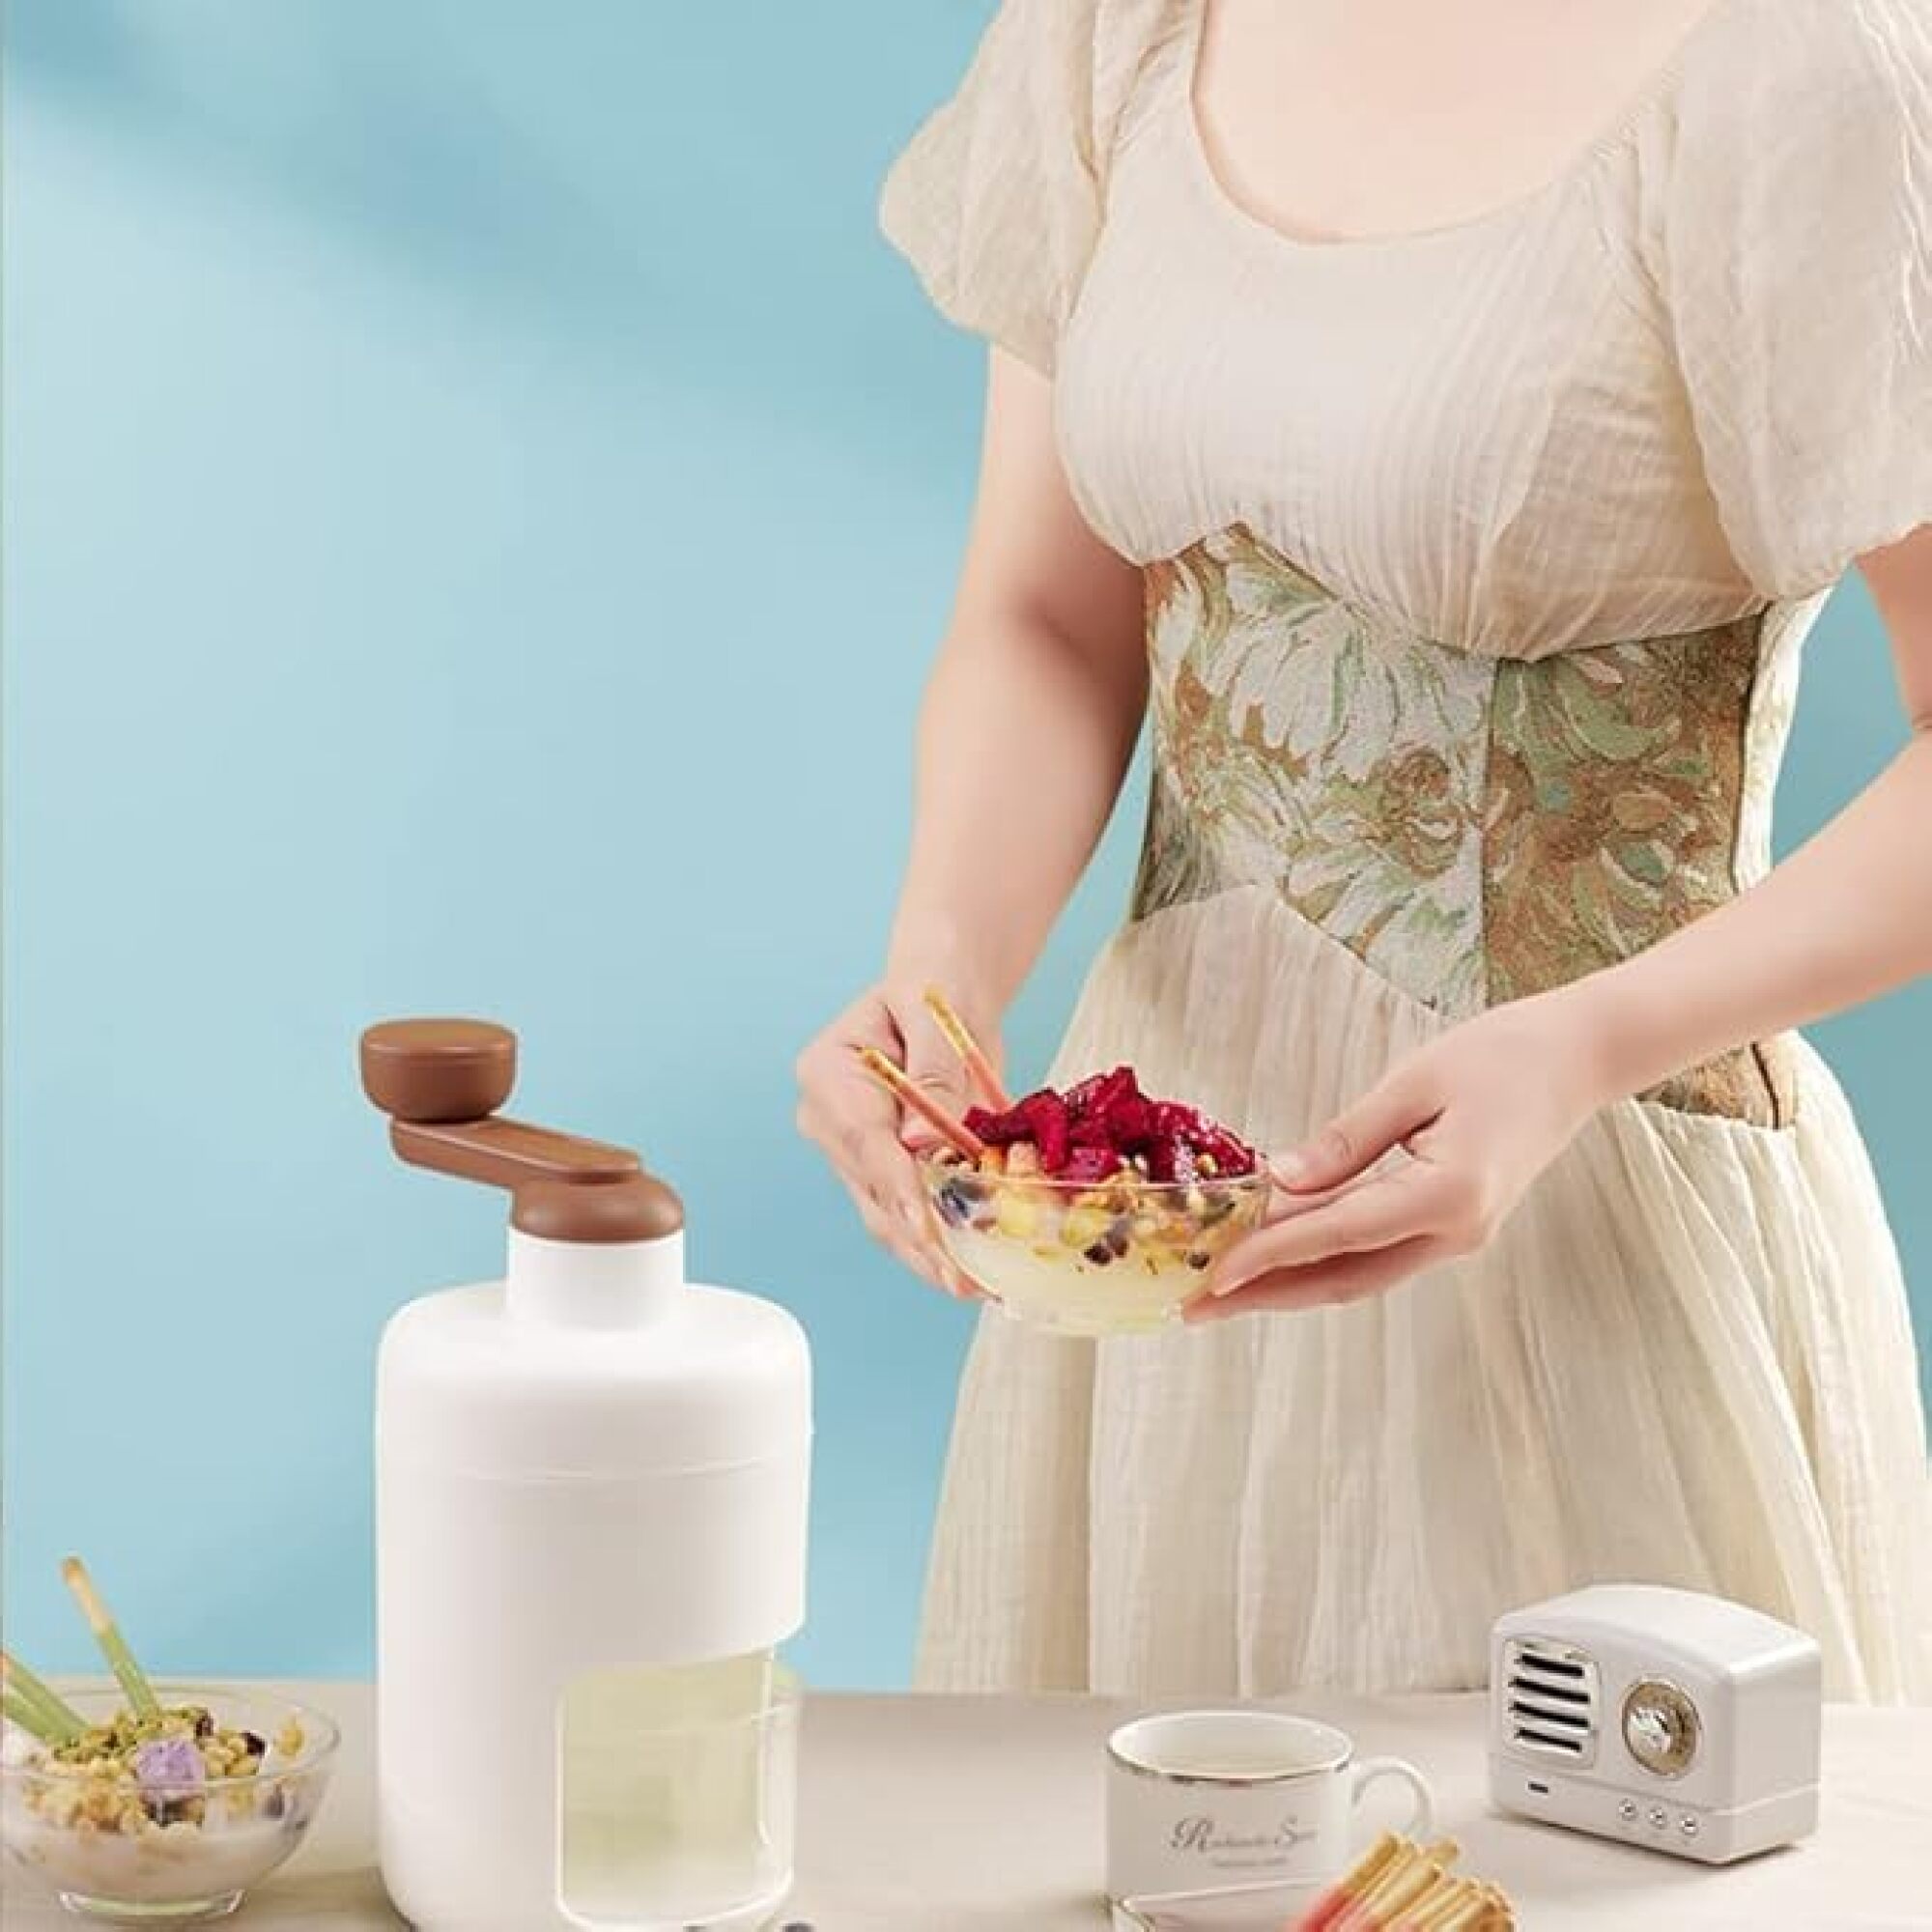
(1686, 1359)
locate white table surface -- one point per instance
(966, 1814)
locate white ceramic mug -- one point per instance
(1250, 1800)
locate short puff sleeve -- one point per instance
(997, 200)
(1791, 237)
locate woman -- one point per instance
(1478, 402)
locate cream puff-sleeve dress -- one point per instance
(1478, 565)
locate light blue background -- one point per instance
(479, 501)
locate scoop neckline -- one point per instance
(1578, 166)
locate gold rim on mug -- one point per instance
(1138, 1768)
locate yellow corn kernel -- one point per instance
(1014, 1215)
(1084, 1226)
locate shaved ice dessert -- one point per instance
(1093, 1212)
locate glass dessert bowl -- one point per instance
(1094, 1211)
(1117, 1257)
(166, 1819)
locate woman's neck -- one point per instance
(1342, 118)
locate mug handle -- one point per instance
(1421, 1821)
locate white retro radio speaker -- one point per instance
(1659, 1716)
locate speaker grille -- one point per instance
(1552, 1694)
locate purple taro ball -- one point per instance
(169, 1765)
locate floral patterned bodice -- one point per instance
(1473, 827)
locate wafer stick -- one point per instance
(1400, 1887)
(1402, 1882)
(959, 1038)
(1440, 1909)
(141, 1693)
(1389, 1853)
(1425, 1913)
(1490, 1914)
(1373, 1880)
(894, 1080)
(1461, 1911)
(1460, 1894)
(1474, 1911)
(1406, 1892)
(1462, 1905)
(1327, 1911)
(1396, 1877)
(40, 1709)
(1367, 1912)
(16, 1711)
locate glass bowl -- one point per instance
(111, 1855)
(1124, 1257)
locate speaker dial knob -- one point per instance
(1662, 1728)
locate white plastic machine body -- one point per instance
(1661, 1718)
(590, 1466)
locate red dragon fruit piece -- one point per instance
(1095, 1097)
(1229, 1153)
(1089, 1166)
(1081, 1094)
(998, 1129)
(1040, 1117)
(1171, 1158)
(1048, 1127)
(1119, 1114)
(1104, 1119)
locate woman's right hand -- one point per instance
(1042, 673)
(869, 1137)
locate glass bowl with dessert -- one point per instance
(1095, 1210)
(150, 1802)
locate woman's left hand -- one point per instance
(1479, 1112)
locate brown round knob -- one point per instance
(639, 1208)
(429, 1070)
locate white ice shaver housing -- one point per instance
(591, 1502)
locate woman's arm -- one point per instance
(1845, 917)
(1027, 729)
(1485, 1108)
(1030, 718)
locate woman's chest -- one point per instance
(1479, 430)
